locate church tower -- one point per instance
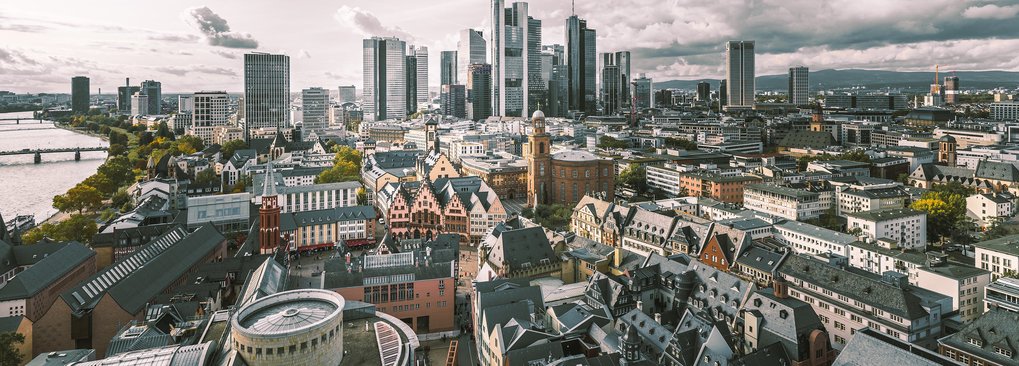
(269, 216)
(817, 119)
(946, 150)
(432, 135)
(538, 162)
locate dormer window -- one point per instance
(976, 342)
(1003, 351)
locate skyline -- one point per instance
(192, 46)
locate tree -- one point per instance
(362, 196)
(102, 183)
(228, 148)
(206, 178)
(555, 216)
(946, 215)
(118, 170)
(607, 142)
(80, 228)
(164, 131)
(189, 144)
(633, 177)
(346, 166)
(680, 143)
(9, 354)
(79, 198)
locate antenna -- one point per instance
(573, 7)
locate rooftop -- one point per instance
(885, 214)
(287, 312)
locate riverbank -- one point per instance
(61, 216)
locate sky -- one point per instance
(199, 45)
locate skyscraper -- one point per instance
(154, 90)
(479, 91)
(703, 91)
(139, 104)
(208, 111)
(580, 58)
(266, 91)
(610, 84)
(411, 74)
(512, 43)
(558, 101)
(348, 94)
(421, 53)
(644, 90)
(536, 86)
(80, 94)
(723, 96)
(314, 110)
(470, 50)
(451, 98)
(447, 68)
(951, 89)
(739, 73)
(385, 81)
(625, 77)
(798, 85)
(124, 94)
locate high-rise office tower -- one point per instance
(348, 94)
(536, 86)
(385, 80)
(951, 89)
(479, 91)
(139, 104)
(451, 97)
(266, 91)
(625, 77)
(314, 110)
(124, 94)
(558, 101)
(411, 74)
(703, 91)
(154, 90)
(723, 96)
(798, 85)
(644, 91)
(581, 59)
(80, 94)
(557, 51)
(209, 109)
(447, 68)
(512, 41)
(421, 53)
(739, 72)
(610, 84)
(470, 50)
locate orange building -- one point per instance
(715, 186)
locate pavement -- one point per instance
(514, 206)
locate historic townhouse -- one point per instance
(464, 206)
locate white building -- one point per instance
(665, 179)
(813, 240)
(385, 79)
(139, 104)
(987, 207)
(209, 111)
(310, 197)
(787, 202)
(314, 110)
(228, 212)
(858, 197)
(904, 226)
(1000, 256)
(1005, 110)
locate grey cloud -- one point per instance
(991, 11)
(226, 54)
(23, 28)
(201, 69)
(366, 24)
(217, 31)
(182, 38)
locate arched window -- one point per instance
(541, 147)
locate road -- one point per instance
(514, 206)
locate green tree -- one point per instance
(206, 178)
(346, 166)
(80, 228)
(9, 355)
(362, 196)
(102, 183)
(79, 198)
(633, 177)
(555, 216)
(679, 143)
(164, 131)
(607, 142)
(228, 148)
(946, 215)
(189, 144)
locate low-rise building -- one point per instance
(1002, 294)
(230, 213)
(728, 189)
(325, 229)
(504, 172)
(989, 340)
(904, 226)
(813, 240)
(787, 202)
(37, 284)
(1000, 256)
(986, 208)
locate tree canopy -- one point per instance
(230, 147)
(607, 142)
(633, 177)
(679, 143)
(9, 354)
(346, 166)
(945, 206)
(80, 228)
(80, 198)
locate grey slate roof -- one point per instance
(1006, 244)
(885, 214)
(784, 320)
(995, 329)
(10, 324)
(516, 248)
(52, 267)
(867, 345)
(194, 355)
(808, 139)
(997, 170)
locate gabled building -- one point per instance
(509, 252)
(465, 206)
(771, 317)
(992, 339)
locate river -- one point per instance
(28, 188)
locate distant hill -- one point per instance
(870, 79)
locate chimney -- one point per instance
(658, 318)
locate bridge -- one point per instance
(17, 120)
(38, 152)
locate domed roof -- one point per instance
(538, 114)
(947, 138)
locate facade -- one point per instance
(470, 50)
(1000, 256)
(799, 93)
(266, 91)
(314, 110)
(513, 38)
(139, 104)
(452, 98)
(464, 206)
(479, 91)
(80, 94)
(328, 228)
(230, 213)
(951, 89)
(296, 327)
(728, 189)
(416, 286)
(124, 94)
(812, 240)
(447, 68)
(421, 57)
(904, 226)
(410, 68)
(643, 90)
(504, 172)
(581, 61)
(739, 73)
(625, 79)
(787, 202)
(154, 90)
(1005, 111)
(1001, 294)
(385, 80)
(209, 110)
(610, 84)
(348, 94)
(563, 177)
(703, 91)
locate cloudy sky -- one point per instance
(197, 45)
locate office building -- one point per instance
(452, 100)
(951, 89)
(798, 86)
(625, 78)
(580, 58)
(470, 50)
(266, 91)
(609, 84)
(124, 94)
(479, 91)
(421, 56)
(348, 94)
(385, 81)
(447, 68)
(723, 93)
(154, 90)
(643, 90)
(209, 109)
(411, 81)
(80, 94)
(314, 110)
(139, 104)
(514, 40)
(739, 73)
(703, 91)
